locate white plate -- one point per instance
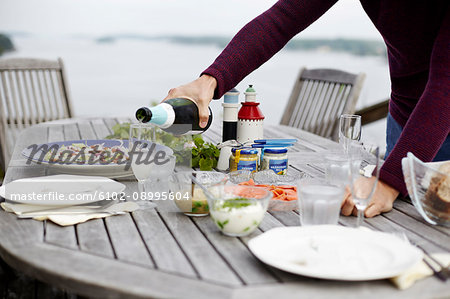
(60, 190)
(335, 252)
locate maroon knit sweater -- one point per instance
(417, 36)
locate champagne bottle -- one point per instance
(178, 116)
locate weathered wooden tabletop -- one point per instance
(162, 253)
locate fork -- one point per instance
(444, 272)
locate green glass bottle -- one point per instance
(178, 116)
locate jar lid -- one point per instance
(280, 150)
(245, 151)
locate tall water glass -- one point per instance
(140, 140)
(363, 181)
(337, 170)
(349, 129)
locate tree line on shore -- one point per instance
(5, 44)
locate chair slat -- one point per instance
(295, 112)
(31, 104)
(43, 98)
(309, 104)
(335, 109)
(324, 102)
(63, 94)
(57, 97)
(21, 98)
(38, 105)
(322, 125)
(316, 103)
(48, 97)
(17, 113)
(308, 85)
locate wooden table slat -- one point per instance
(426, 231)
(100, 128)
(86, 130)
(207, 262)
(93, 238)
(409, 209)
(127, 243)
(61, 235)
(166, 252)
(71, 132)
(240, 259)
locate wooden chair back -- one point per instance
(319, 97)
(31, 91)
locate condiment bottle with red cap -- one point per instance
(250, 118)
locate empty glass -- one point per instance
(159, 178)
(319, 202)
(147, 159)
(337, 170)
(363, 183)
(349, 129)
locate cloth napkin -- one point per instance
(419, 271)
(70, 219)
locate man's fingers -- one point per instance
(373, 210)
(203, 112)
(347, 207)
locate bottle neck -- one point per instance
(161, 115)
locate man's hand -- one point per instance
(201, 91)
(382, 201)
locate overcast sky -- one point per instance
(153, 17)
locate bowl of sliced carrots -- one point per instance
(283, 187)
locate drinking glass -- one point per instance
(337, 170)
(319, 202)
(349, 129)
(363, 182)
(140, 140)
(159, 178)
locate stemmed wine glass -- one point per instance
(349, 130)
(364, 172)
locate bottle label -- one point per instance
(247, 165)
(278, 166)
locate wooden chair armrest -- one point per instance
(374, 112)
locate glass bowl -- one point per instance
(238, 210)
(190, 198)
(428, 188)
(288, 183)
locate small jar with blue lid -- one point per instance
(275, 159)
(244, 159)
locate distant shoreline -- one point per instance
(359, 47)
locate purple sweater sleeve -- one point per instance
(429, 124)
(260, 39)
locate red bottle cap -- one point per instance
(250, 110)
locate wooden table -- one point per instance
(162, 253)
